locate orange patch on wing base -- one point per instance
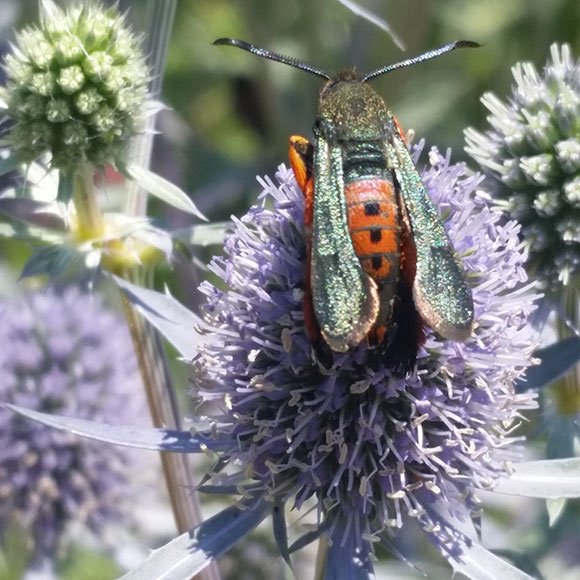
(298, 151)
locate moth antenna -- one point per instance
(422, 57)
(290, 61)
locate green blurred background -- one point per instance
(238, 110)
(229, 113)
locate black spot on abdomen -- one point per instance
(376, 235)
(372, 208)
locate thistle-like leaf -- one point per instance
(477, 563)
(161, 188)
(32, 212)
(549, 479)
(192, 551)
(556, 360)
(172, 440)
(173, 320)
(203, 234)
(50, 260)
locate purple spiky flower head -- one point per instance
(63, 353)
(373, 449)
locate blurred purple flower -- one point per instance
(371, 448)
(64, 354)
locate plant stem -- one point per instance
(147, 343)
(164, 413)
(90, 223)
(567, 390)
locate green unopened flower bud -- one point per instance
(71, 79)
(569, 229)
(547, 203)
(68, 50)
(533, 149)
(539, 169)
(31, 107)
(572, 192)
(568, 153)
(74, 133)
(36, 48)
(88, 101)
(43, 83)
(76, 87)
(57, 111)
(98, 65)
(104, 119)
(114, 81)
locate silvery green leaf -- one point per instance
(161, 188)
(280, 530)
(32, 212)
(556, 360)
(548, 479)
(173, 320)
(172, 440)
(191, 552)
(203, 234)
(28, 234)
(231, 490)
(156, 238)
(477, 563)
(555, 509)
(50, 260)
(361, 11)
(474, 561)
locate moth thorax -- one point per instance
(351, 111)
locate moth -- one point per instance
(380, 265)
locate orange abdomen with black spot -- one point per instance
(373, 221)
(375, 229)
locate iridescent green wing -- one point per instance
(344, 297)
(440, 290)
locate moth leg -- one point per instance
(400, 130)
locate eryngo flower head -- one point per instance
(533, 149)
(372, 448)
(76, 86)
(64, 354)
